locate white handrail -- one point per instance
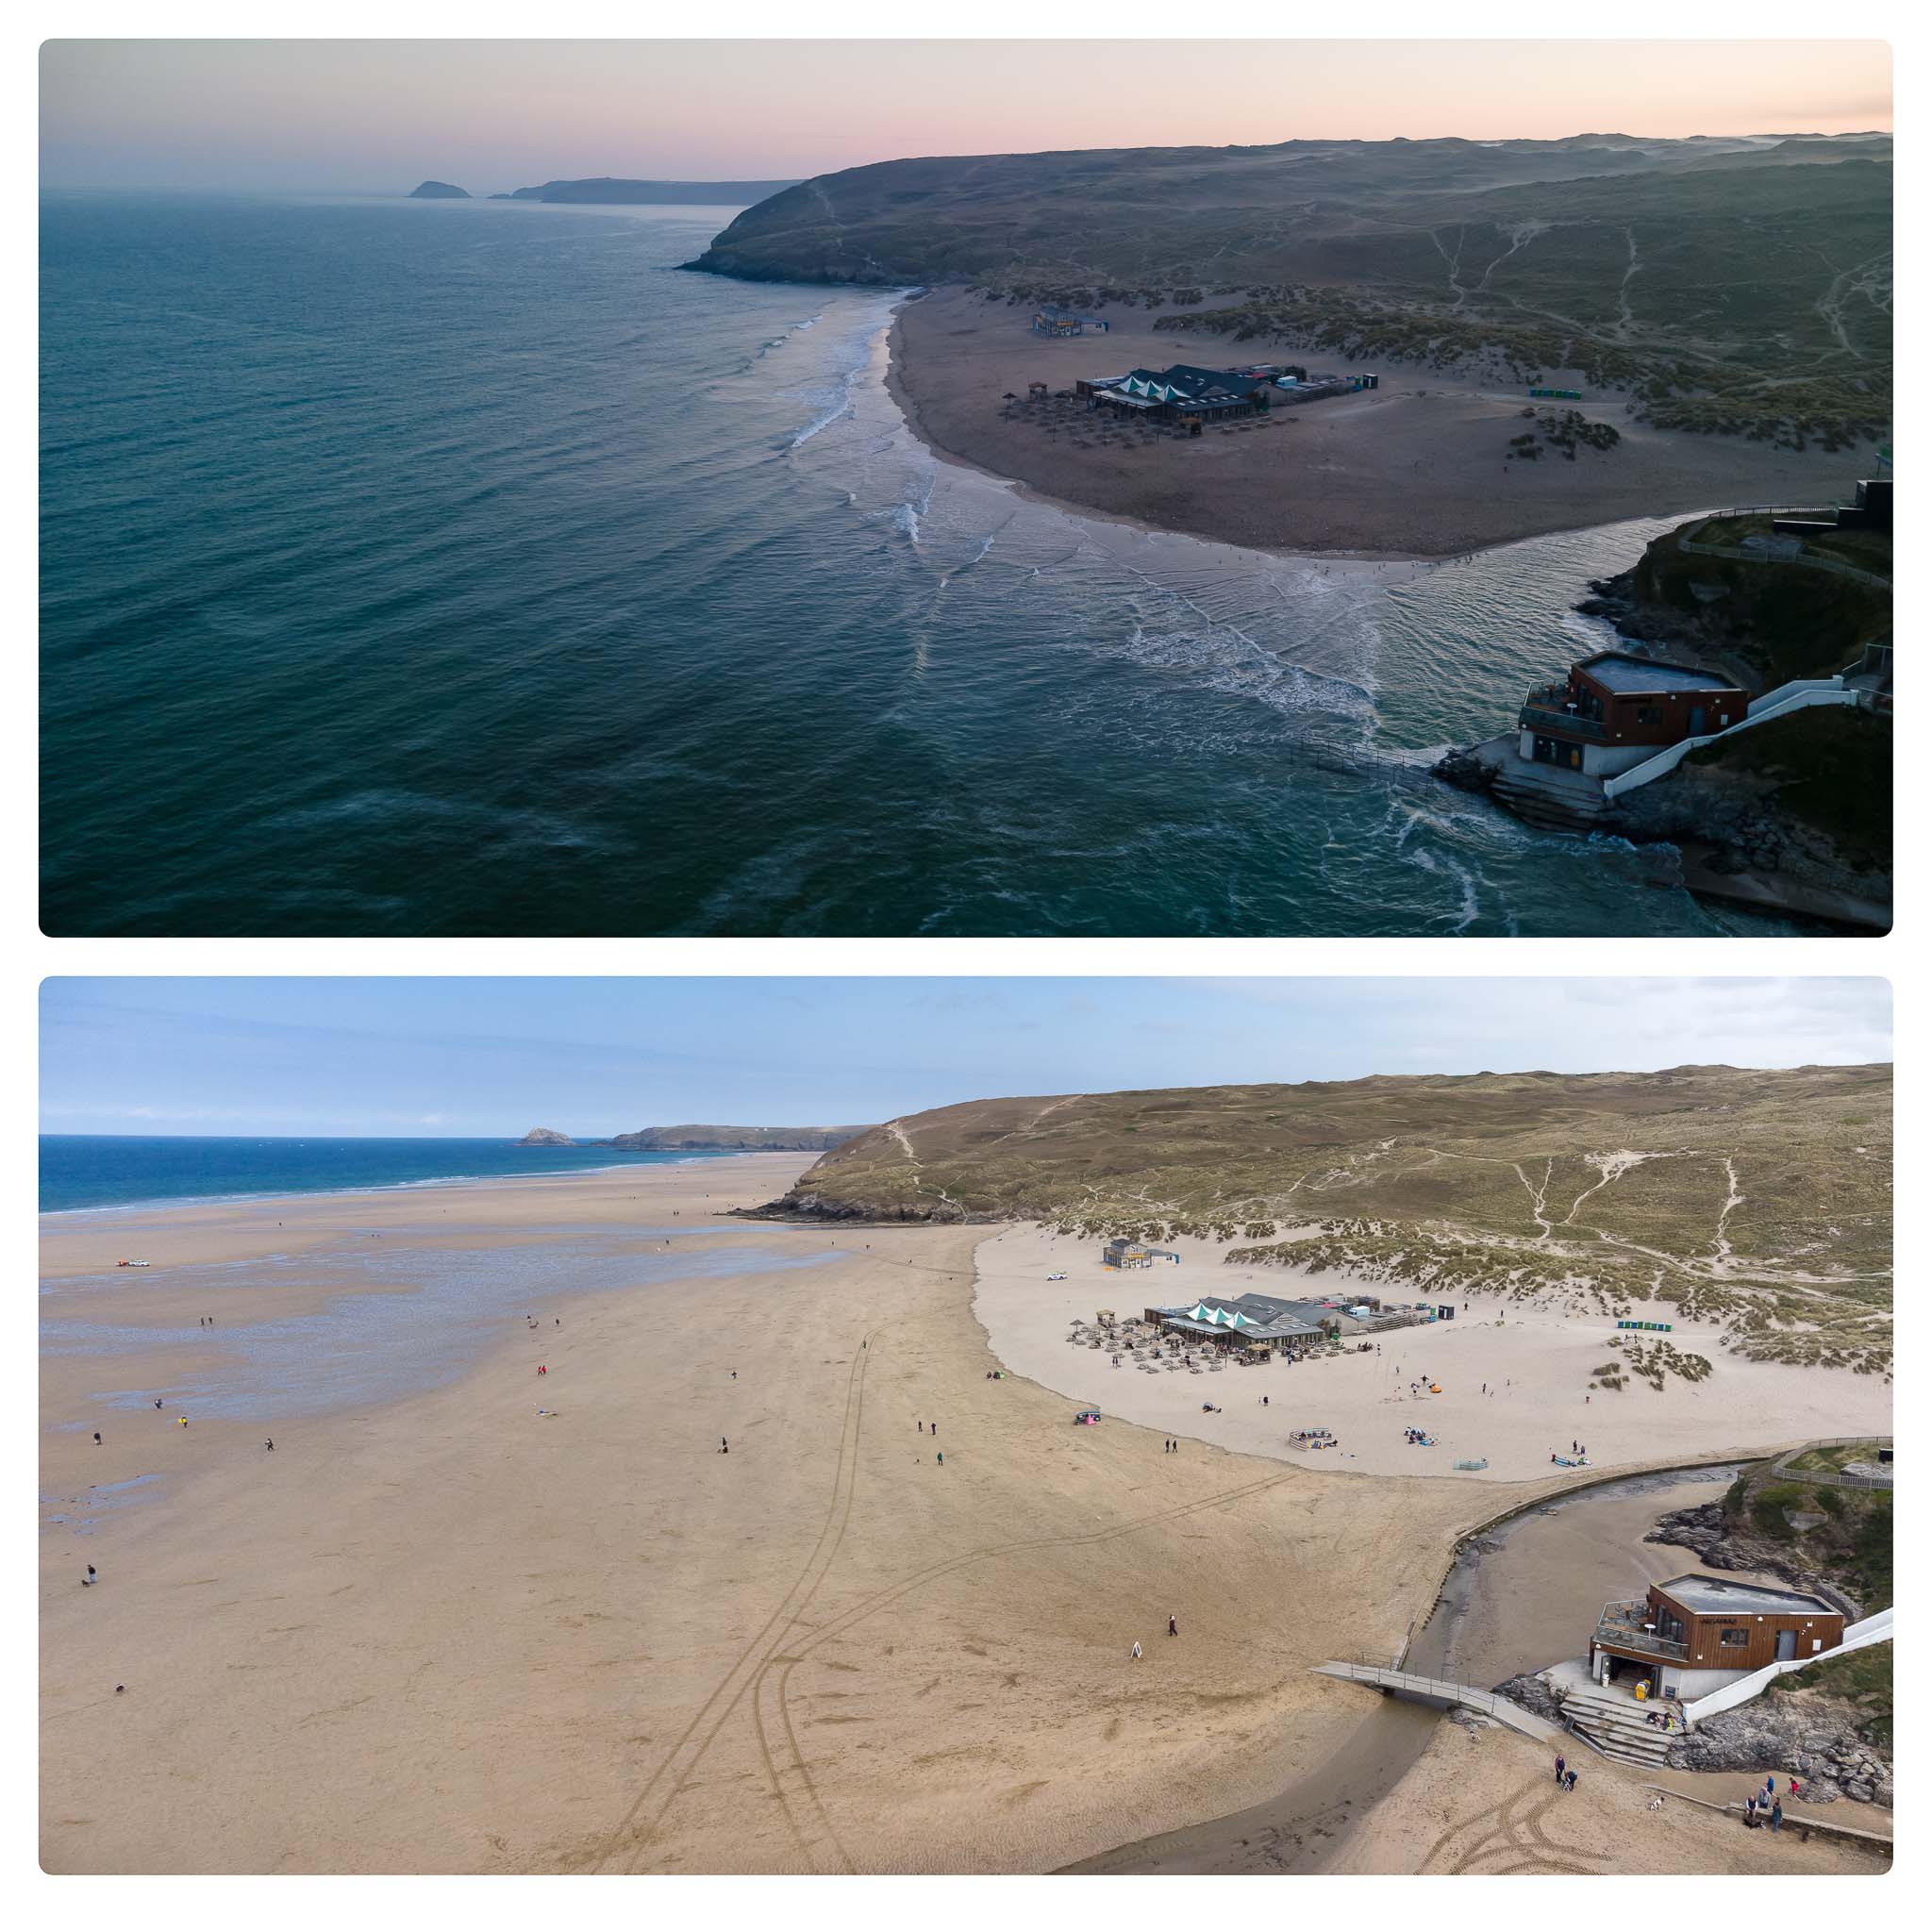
(1798, 695)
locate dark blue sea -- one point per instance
(463, 569)
(97, 1172)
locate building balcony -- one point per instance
(1552, 708)
(1621, 1627)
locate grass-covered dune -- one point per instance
(1740, 286)
(1757, 1200)
(1551, 1159)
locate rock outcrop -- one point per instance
(1816, 1737)
(1720, 1545)
(438, 189)
(545, 1139)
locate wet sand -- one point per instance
(1419, 468)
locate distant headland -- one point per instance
(438, 189)
(632, 191)
(707, 1137)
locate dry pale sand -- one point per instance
(1536, 1362)
(1485, 1801)
(1417, 469)
(445, 1634)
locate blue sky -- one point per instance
(476, 1057)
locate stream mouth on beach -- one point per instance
(646, 613)
(1543, 1567)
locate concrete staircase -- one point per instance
(1550, 795)
(1611, 1720)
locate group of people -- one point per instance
(1566, 1776)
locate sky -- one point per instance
(377, 116)
(493, 1056)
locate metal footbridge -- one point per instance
(1396, 1681)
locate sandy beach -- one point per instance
(439, 1631)
(1514, 1380)
(1418, 468)
(1486, 1801)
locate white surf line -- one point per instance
(1721, 1247)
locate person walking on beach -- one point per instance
(1173, 1627)
(943, 1458)
(724, 1445)
(270, 1444)
(157, 1402)
(91, 1577)
(97, 1439)
(1133, 1654)
(1777, 1816)
(1559, 1771)
(921, 1426)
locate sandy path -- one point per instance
(1418, 468)
(1535, 1363)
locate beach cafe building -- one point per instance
(1252, 1321)
(1185, 394)
(1615, 710)
(1697, 1633)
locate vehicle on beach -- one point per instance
(1087, 1418)
(124, 1264)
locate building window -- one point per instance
(1734, 1638)
(1649, 714)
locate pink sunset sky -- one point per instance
(372, 116)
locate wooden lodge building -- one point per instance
(1615, 710)
(1697, 1633)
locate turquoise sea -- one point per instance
(464, 569)
(106, 1173)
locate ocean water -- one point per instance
(459, 569)
(101, 1173)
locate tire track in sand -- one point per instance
(672, 1773)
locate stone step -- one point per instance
(1614, 1754)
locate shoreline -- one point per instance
(1220, 506)
(158, 1205)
